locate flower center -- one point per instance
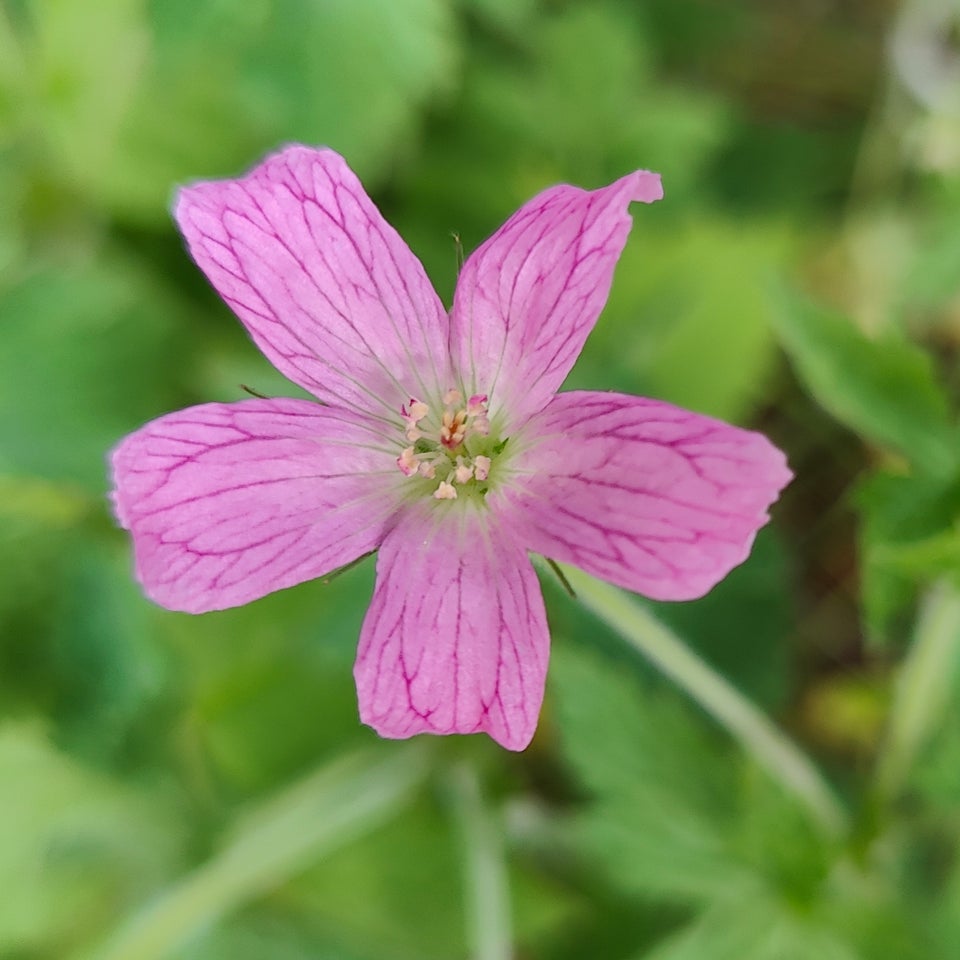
(450, 448)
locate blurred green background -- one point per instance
(199, 787)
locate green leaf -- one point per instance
(924, 687)
(283, 663)
(660, 819)
(880, 909)
(229, 83)
(931, 280)
(87, 356)
(272, 843)
(35, 518)
(882, 388)
(14, 179)
(412, 905)
(909, 534)
(790, 767)
(412, 877)
(935, 773)
(747, 925)
(672, 815)
(716, 348)
(75, 847)
(586, 101)
(40, 526)
(578, 99)
(108, 678)
(741, 624)
(83, 88)
(510, 17)
(13, 78)
(688, 318)
(260, 933)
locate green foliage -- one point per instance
(270, 687)
(199, 787)
(883, 388)
(672, 816)
(77, 847)
(910, 536)
(740, 625)
(706, 345)
(886, 390)
(662, 788)
(88, 354)
(238, 81)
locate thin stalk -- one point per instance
(485, 870)
(923, 686)
(296, 828)
(769, 746)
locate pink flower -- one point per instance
(440, 441)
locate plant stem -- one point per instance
(771, 748)
(294, 829)
(923, 686)
(487, 884)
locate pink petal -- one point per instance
(455, 640)
(228, 502)
(527, 298)
(326, 287)
(641, 493)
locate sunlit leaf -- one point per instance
(228, 83)
(689, 317)
(83, 89)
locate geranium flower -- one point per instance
(439, 440)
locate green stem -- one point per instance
(487, 884)
(343, 800)
(772, 749)
(923, 686)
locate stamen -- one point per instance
(477, 412)
(481, 467)
(453, 429)
(407, 462)
(446, 491)
(477, 404)
(418, 410)
(442, 451)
